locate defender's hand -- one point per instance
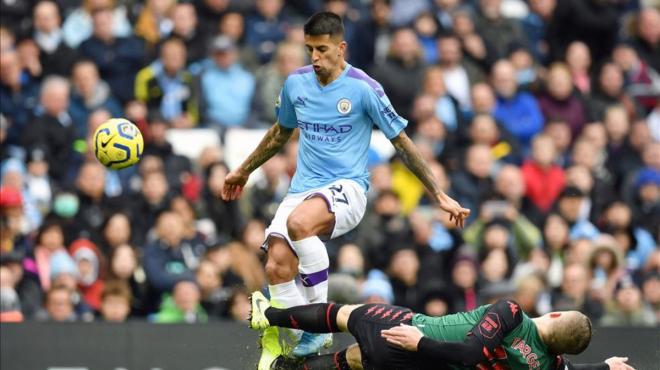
(618, 363)
(457, 213)
(404, 336)
(234, 183)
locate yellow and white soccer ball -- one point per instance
(118, 143)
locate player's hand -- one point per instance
(618, 363)
(457, 213)
(404, 336)
(234, 183)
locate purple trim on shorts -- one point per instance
(314, 278)
(327, 201)
(264, 246)
(303, 70)
(361, 75)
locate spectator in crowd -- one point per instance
(214, 296)
(558, 101)
(402, 270)
(23, 282)
(59, 305)
(10, 305)
(90, 93)
(91, 271)
(168, 87)
(573, 293)
(590, 21)
(447, 109)
(517, 111)
(473, 183)
(79, 25)
(402, 72)
(464, 275)
(650, 291)
(55, 56)
(14, 176)
(608, 90)
(377, 288)
(19, 94)
(232, 25)
(544, 180)
(459, 74)
(261, 200)
(225, 215)
(210, 12)
(645, 36)
(606, 267)
(115, 302)
(49, 241)
(270, 78)
(184, 26)
(52, 129)
(183, 306)
(498, 31)
(578, 60)
(555, 238)
(560, 133)
(93, 203)
(504, 147)
(620, 155)
(647, 197)
(125, 267)
(238, 307)
(225, 73)
(395, 230)
(426, 29)
(570, 203)
(372, 36)
(167, 259)
(197, 240)
(153, 199)
(628, 308)
(266, 27)
(153, 22)
(537, 25)
(514, 231)
(128, 53)
(116, 230)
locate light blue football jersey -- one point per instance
(335, 123)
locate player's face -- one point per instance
(326, 53)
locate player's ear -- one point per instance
(342, 47)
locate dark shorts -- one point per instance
(365, 324)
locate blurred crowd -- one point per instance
(541, 116)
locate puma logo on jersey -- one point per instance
(526, 351)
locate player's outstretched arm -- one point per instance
(612, 363)
(414, 161)
(271, 143)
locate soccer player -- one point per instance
(498, 336)
(335, 106)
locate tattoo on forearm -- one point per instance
(272, 142)
(414, 161)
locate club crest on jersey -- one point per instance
(344, 106)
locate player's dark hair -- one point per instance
(324, 23)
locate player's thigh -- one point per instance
(311, 217)
(346, 202)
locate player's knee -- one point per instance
(278, 273)
(299, 226)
